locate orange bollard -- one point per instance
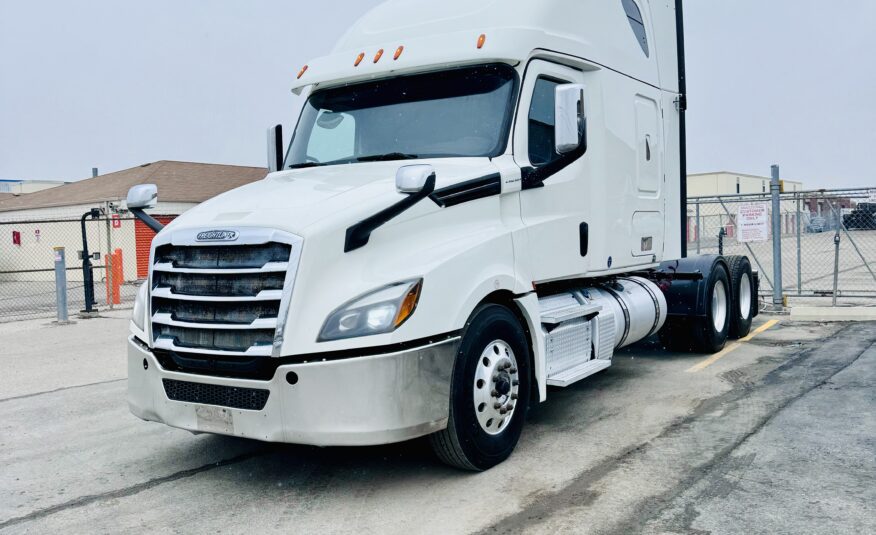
(107, 262)
(118, 277)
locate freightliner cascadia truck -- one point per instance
(480, 200)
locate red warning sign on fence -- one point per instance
(753, 222)
(117, 221)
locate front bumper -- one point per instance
(353, 402)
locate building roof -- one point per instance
(28, 181)
(183, 182)
(746, 175)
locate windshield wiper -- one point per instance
(305, 165)
(388, 157)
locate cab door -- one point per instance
(554, 240)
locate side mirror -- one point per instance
(415, 178)
(140, 198)
(570, 131)
(143, 196)
(275, 148)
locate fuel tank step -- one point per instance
(581, 371)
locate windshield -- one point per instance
(456, 113)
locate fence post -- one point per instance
(799, 249)
(836, 241)
(775, 190)
(61, 285)
(699, 226)
(109, 251)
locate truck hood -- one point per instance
(296, 200)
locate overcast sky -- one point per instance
(115, 84)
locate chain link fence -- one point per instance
(828, 239)
(27, 264)
(828, 249)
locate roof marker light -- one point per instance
(378, 55)
(398, 53)
(359, 59)
(302, 71)
(481, 40)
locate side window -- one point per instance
(542, 122)
(333, 137)
(634, 15)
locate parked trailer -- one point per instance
(479, 201)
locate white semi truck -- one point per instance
(480, 200)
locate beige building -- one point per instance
(726, 183)
(706, 216)
(23, 187)
(32, 224)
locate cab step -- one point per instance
(581, 371)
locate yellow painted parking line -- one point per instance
(731, 348)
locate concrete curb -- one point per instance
(833, 314)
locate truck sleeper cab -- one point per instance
(477, 202)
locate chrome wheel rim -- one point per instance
(745, 296)
(496, 387)
(719, 306)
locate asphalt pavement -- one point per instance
(778, 435)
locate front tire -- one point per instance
(489, 393)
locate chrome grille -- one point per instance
(223, 257)
(214, 285)
(221, 301)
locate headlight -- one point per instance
(378, 312)
(139, 315)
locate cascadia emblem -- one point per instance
(218, 235)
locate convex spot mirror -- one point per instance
(414, 178)
(330, 120)
(571, 119)
(143, 196)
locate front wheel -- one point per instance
(489, 393)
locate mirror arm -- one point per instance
(359, 234)
(534, 177)
(147, 219)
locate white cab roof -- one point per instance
(445, 33)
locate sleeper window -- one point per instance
(634, 15)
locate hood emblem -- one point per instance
(217, 235)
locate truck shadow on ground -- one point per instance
(568, 410)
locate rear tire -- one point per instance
(743, 303)
(492, 368)
(710, 333)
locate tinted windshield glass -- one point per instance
(462, 112)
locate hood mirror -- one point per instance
(415, 179)
(143, 196)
